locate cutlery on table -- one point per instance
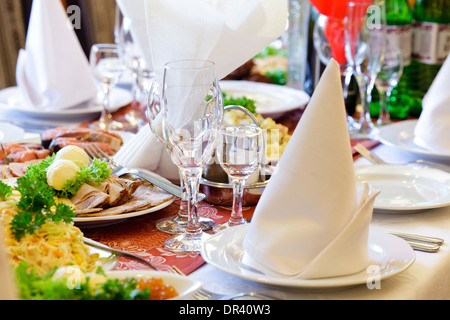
(118, 252)
(204, 294)
(372, 157)
(119, 170)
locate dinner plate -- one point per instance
(94, 222)
(270, 100)
(389, 255)
(405, 189)
(11, 100)
(401, 135)
(9, 132)
(184, 286)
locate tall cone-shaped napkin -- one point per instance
(309, 222)
(53, 71)
(432, 131)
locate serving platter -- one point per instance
(270, 100)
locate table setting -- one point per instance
(335, 216)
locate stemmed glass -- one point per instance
(239, 154)
(107, 68)
(388, 78)
(132, 56)
(365, 42)
(192, 114)
(176, 224)
(329, 40)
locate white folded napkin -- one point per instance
(432, 131)
(52, 71)
(8, 290)
(227, 32)
(309, 222)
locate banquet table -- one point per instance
(427, 278)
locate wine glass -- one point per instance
(365, 42)
(176, 224)
(329, 40)
(107, 68)
(192, 114)
(239, 154)
(132, 56)
(388, 78)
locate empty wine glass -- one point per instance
(107, 68)
(176, 224)
(329, 42)
(239, 154)
(192, 114)
(365, 42)
(388, 78)
(132, 56)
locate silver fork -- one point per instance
(122, 253)
(95, 152)
(372, 157)
(204, 294)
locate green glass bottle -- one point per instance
(399, 34)
(431, 38)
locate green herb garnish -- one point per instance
(242, 101)
(37, 197)
(5, 191)
(34, 287)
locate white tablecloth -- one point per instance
(427, 278)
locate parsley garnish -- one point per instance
(5, 191)
(242, 101)
(37, 202)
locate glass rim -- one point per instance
(195, 64)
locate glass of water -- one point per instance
(239, 152)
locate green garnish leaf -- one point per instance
(5, 191)
(242, 101)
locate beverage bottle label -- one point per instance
(431, 42)
(401, 37)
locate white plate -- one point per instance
(270, 100)
(389, 255)
(184, 286)
(90, 222)
(9, 132)
(401, 135)
(111, 259)
(405, 189)
(11, 100)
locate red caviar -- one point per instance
(158, 290)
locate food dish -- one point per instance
(9, 132)
(401, 135)
(389, 255)
(90, 222)
(185, 286)
(271, 100)
(93, 222)
(10, 100)
(405, 189)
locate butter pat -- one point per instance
(75, 154)
(60, 172)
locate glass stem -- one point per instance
(238, 190)
(105, 117)
(384, 116)
(183, 211)
(191, 178)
